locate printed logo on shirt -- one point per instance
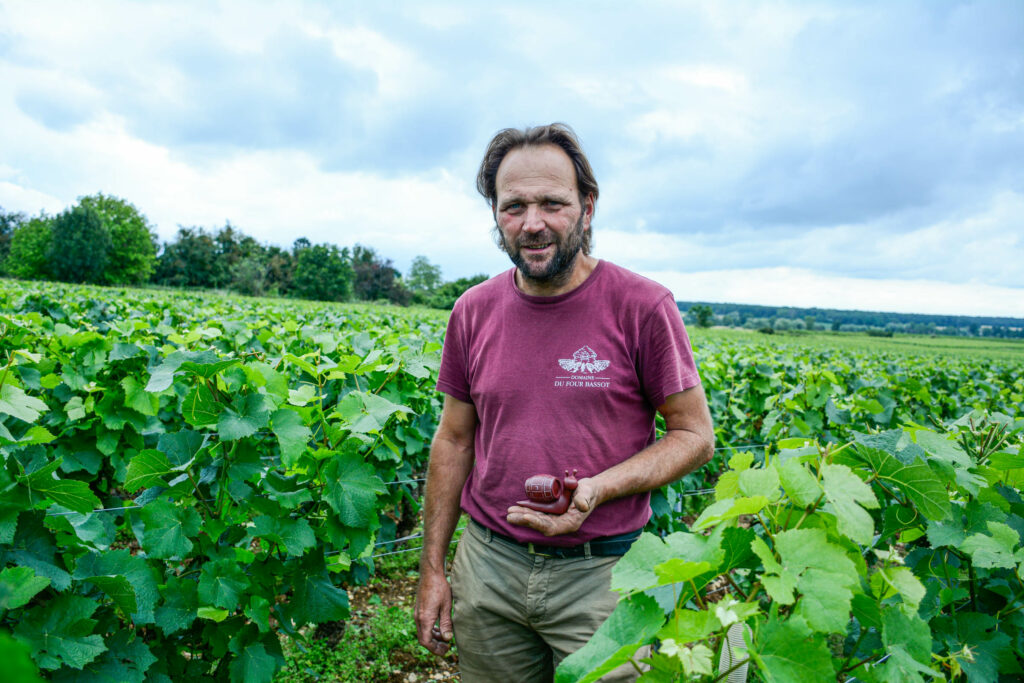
(585, 368)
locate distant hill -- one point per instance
(791, 317)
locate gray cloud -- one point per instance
(864, 139)
(294, 93)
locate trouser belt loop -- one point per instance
(488, 534)
(586, 550)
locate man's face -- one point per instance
(538, 213)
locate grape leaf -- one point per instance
(351, 489)
(199, 407)
(688, 625)
(134, 568)
(212, 613)
(632, 624)
(18, 585)
(798, 483)
(760, 482)
(168, 528)
(254, 665)
(942, 447)
(244, 418)
(315, 598)
(146, 469)
(678, 570)
(181, 447)
(729, 508)
(292, 435)
(789, 652)
(258, 610)
(995, 549)
(70, 493)
(294, 534)
(33, 435)
(205, 364)
(818, 569)
(60, 632)
(902, 626)
(221, 584)
(119, 590)
(889, 581)
(137, 398)
(846, 493)
(178, 610)
(915, 479)
(15, 402)
(636, 570)
(126, 661)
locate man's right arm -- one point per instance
(451, 459)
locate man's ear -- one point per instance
(588, 208)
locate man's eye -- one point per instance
(515, 206)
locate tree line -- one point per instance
(106, 240)
(765, 318)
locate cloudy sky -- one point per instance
(844, 155)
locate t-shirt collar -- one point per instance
(558, 298)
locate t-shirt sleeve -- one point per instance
(453, 377)
(666, 358)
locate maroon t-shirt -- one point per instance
(563, 382)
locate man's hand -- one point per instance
(584, 500)
(433, 613)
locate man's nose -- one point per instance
(533, 221)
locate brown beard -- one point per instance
(559, 268)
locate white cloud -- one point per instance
(806, 289)
(712, 76)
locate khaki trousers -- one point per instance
(518, 615)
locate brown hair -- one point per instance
(559, 134)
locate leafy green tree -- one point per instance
(9, 222)
(189, 261)
(279, 265)
(376, 277)
(449, 292)
(322, 272)
(232, 247)
(80, 246)
(198, 258)
(249, 277)
(30, 242)
(703, 314)
(133, 242)
(424, 277)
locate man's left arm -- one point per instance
(687, 444)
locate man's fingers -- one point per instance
(521, 516)
(583, 498)
(433, 615)
(549, 525)
(445, 629)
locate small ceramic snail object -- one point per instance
(548, 493)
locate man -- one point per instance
(559, 363)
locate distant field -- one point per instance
(961, 347)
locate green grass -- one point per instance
(371, 649)
(906, 344)
(365, 653)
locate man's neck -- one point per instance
(582, 267)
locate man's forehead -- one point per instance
(534, 166)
